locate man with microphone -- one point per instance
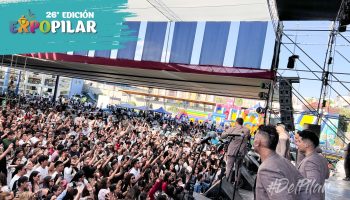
(238, 143)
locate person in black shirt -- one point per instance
(74, 150)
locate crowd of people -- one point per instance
(69, 150)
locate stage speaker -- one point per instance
(314, 128)
(286, 104)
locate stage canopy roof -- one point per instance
(205, 79)
(231, 10)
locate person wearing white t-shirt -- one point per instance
(43, 169)
(69, 172)
(78, 120)
(86, 130)
(35, 139)
(21, 171)
(24, 139)
(135, 169)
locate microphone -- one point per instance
(237, 135)
(205, 140)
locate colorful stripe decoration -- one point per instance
(193, 115)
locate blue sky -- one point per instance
(313, 43)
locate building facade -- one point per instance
(33, 83)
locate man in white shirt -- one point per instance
(21, 171)
(73, 133)
(35, 139)
(43, 169)
(58, 173)
(24, 139)
(69, 172)
(78, 120)
(135, 169)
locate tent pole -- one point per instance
(274, 68)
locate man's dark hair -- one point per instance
(113, 187)
(239, 121)
(21, 180)
(10, 132)
(310, 135)
(58, 163)
(55, 188)
(60, 147)
(271, 134)
(73, 144)
(19, 167)
(42, 158)
(134, 161)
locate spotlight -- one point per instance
(265, 86)
(260, 110)
(263, 95)
(291, 61)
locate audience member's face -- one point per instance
(29, 165)
(18, 161)
(11, 136)
(74, 147)
(20, 154)
(58, 192)
(37, 178)
(45, 163)
(26, 186)
(60, 168)
(133, 179)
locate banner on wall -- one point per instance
(226, 113)
(329, 127)
(52, 26)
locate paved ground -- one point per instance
(337, 189)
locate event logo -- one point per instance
(83, 23)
